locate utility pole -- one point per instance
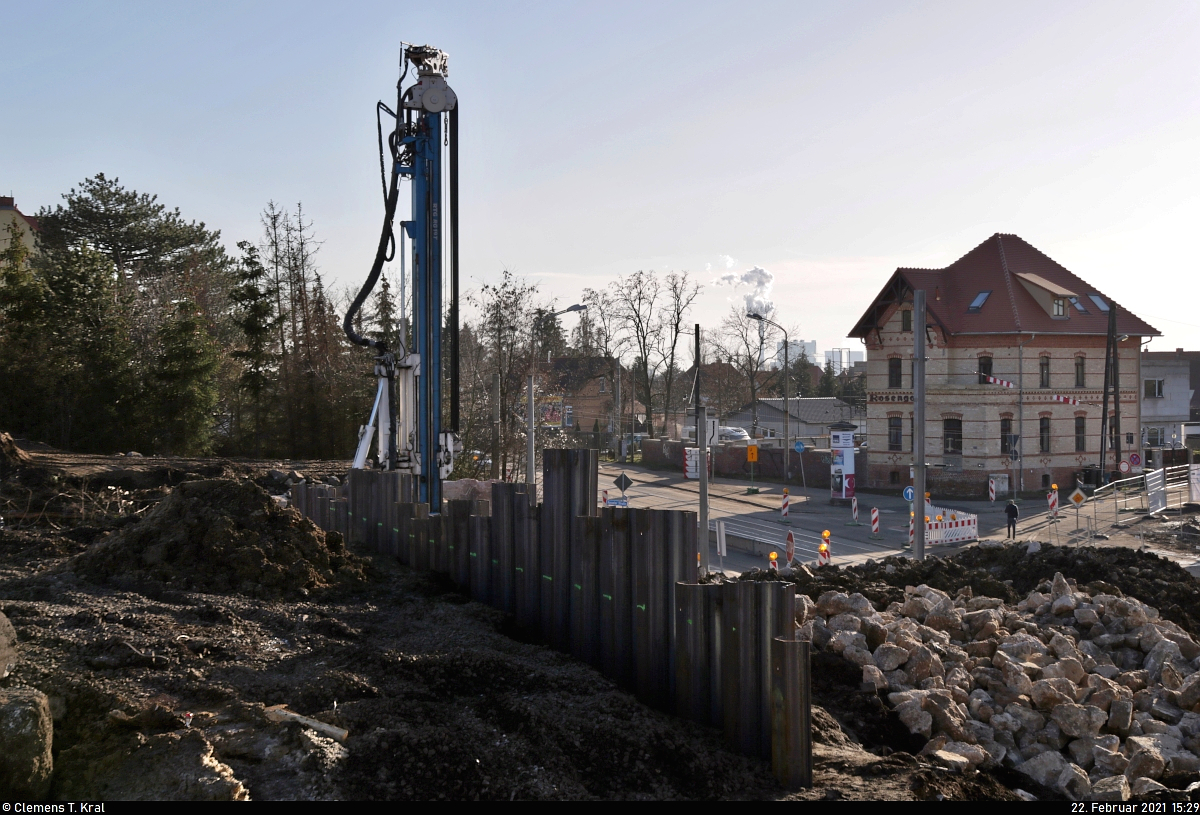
(1109, 345)
(495, 426)
(617, 411)
(918, 375)
(1116, 374)
(702, 444)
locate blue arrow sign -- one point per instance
(799, 445)
(909, 493)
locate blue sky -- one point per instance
(826, 142)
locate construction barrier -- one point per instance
(874, 521)
(950, 526)
(784, 510)
(991, 489)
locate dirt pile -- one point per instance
(221, 536)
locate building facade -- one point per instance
(26, 225)
(1167, 397)
(1015, 348)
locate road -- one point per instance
(758, 516)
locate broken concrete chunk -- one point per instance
(26, 732)
(890, 657)
(1112, 788)
(1145, 786)
(1147, 762)
(873, 679)
(1079, 721)
(8, 646)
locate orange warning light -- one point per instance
(823, 548)
(926, 519)
(1053, 486)
(825, 534)
(774, 556)
(939, 518)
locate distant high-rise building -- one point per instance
(795, 347)
(843, 358)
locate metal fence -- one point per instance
(614, 587)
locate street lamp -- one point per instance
(787, 414)
(530, 474)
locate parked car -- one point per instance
(734, 434)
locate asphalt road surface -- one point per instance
(758, 516)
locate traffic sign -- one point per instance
(909, 493)
(616, 502)
(791, 547)
(752, 453)
(623, 482)
(1135, 459)
(799, 445)
(1123, 466)
(1077, 497)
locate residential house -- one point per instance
(587, 389)
(1167, 398)
(9, 215)
(810, 417)
(1015, 345)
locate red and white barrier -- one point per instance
(950, 526)
(874, 521)
(991, 489)
(854, 508)
(1052, 500)
(784, 509)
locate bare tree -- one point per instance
(506, 313)
(741, 341)
(679, 295)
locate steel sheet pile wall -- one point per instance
(738, 667)
(613, 586)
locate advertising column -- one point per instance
(841, 463)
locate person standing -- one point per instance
(1012, 513)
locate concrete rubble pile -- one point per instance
(1093, 695)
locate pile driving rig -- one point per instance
(407, 414)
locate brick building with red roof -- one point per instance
(1005, 310)
(26, 224)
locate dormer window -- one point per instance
(1049, 295)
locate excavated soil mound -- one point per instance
(12, 458)
(221, 536)
(1010, 572)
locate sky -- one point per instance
(825, 143)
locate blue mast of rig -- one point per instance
(408, 406)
